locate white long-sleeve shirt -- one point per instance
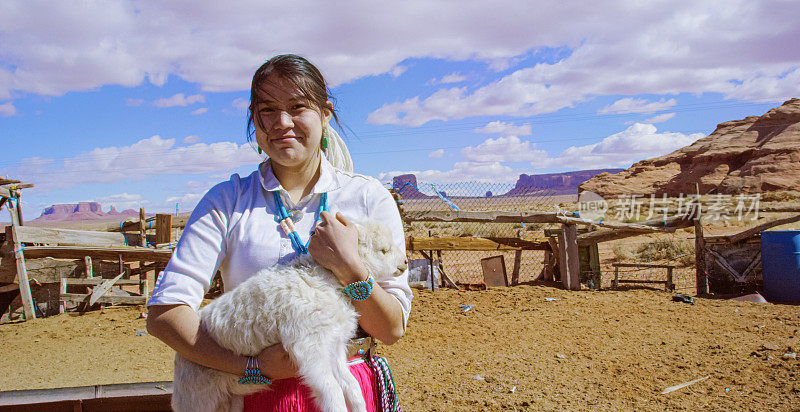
(235, 229)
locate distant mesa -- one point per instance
(81, 211)
(551, 184)
(751, 155)
(407, 185)
(554, 183)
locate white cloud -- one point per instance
(7, 109)
(485, 172)
(199, 111)
(436, 154)
(498, 127)
(660, 118)
(179, 100)
(122, 201)
(746, 50)
(149, 157)
(634, 105)
(241, 104)
(454, 77)
(637, 142)
(397, 71)
(504, 149)
(485, 162)
(134, 102)
(191, 139)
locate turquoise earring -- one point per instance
(324, 142)
(259, 149)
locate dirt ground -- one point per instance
(520, 348)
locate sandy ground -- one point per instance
(516, 349)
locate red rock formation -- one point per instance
(752, 155)
(80, 211)
(554, 183)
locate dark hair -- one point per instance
(305, 76)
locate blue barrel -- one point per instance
(780, 259)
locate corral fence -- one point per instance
(459, 246)
(471, 231)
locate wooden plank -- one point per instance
(142, 230)
(515, 270)
(642, 265)
(101, 253)
(5, 181)
(114, 300)
(701, 276)
(523, 217)
(163, 228)
(62, 307)
(633, 227)
(89, 269)
(725, 265)
(12, 211)
(562, 259)
(473, 243)
(605, 235)
(738, 237)
(572, 263)
(98, 281)
(494, 271)
(103, 288)
(486, 217)
(641, 281)
(594, 265)
(22, 275)
(52, 236)
(132, 392)
(178, 222)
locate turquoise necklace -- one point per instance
(288, 226)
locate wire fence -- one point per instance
(465, 266)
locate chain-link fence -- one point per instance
(465, 266)
(675, 249)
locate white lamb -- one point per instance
(301, 306)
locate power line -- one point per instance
(541, 119)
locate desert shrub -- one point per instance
(677, 250)
(785, 196)
(623, 251)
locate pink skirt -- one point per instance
(290, 395)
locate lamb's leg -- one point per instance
(196, 388)
(314, 358)
(352, 390)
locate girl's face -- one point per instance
(288, 126)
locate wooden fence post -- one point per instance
(163, 228)
(572, 261)
(89, 269)
(515, 270)
(142, 230)
(22, 275)
(701, 276)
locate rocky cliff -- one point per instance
(752, 155)
(80, 211)
(554, 183)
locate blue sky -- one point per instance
(141, 103)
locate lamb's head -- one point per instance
(378, 252)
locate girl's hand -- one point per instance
(275, 363)
(334, 245)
